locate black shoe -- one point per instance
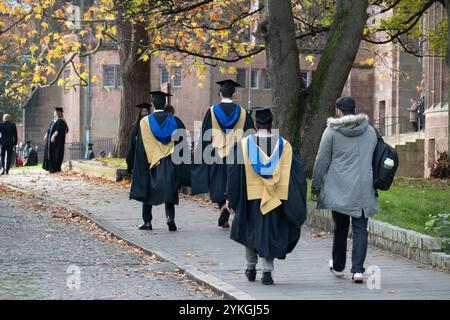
(267, 278)
(250, 274)
(146, 226)
(223, 219)
(172, 225)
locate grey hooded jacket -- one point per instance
(343, 169)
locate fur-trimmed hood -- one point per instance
(350, 125)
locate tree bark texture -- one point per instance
(447, 59)
(332, 73)
(278, 32)
(135, 79)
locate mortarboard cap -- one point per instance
(228, 87)
(144, 105)
(59, 109)
(159, 98)
(263, 114)
(28, 142)
(90, 144)
(159, 94)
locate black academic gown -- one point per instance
(132, 147)
(54, 151)
(32, 159)
(275, 234)
(161, 184)
(212, 178)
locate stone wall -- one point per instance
(436, 135)
(407, 243)
(411, 159)
(39, 113)
(105, 102)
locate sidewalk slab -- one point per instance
(206, 253)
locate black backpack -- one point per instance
(383, 176)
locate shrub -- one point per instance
(441, 169)
(439, 225)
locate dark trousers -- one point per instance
(414, 126)
(147, 212)
(359, 251)
(8, 152)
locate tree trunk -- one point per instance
(332, 73)
(135, 79)
(447, 6)
(278, 31)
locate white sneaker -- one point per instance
(337, 274)
(358, 278)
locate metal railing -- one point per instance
(77, 150)
(396, 125)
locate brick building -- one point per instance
(103, 101)
(381, 84)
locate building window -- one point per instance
(266, 80)
(176, 79)
(240, 77)
(66, 76)
(163, 76)
(431, 154)
(112, 76)
(118, 76)
(255, 79)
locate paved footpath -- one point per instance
(39, 246)
(205, 251)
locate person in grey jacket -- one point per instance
(342, 182)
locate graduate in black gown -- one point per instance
(31, 156)
(226, 119)
(144, 110)
(55, 140)
(157, 172)
(267, 191)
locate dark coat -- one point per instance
(32, 159)
(275, 234)
(8, 131)
(132, 147)
(54, 151)
(212, 178)
(162, 183)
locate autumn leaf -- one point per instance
(232, 70)
(368, 62)
(33, 49)
(60, 82)
(309, 58)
